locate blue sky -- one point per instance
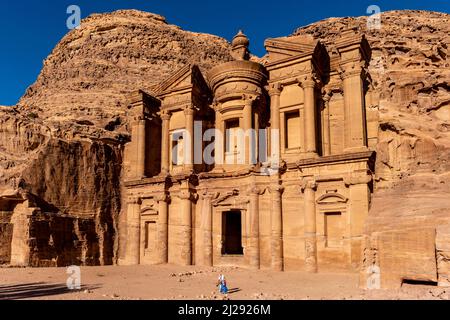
(30, 29)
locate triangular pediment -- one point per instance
(183, 78)
(285, 47)
(231, 199)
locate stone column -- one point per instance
(354, 107)
(247, 125)
(206, 226)
(309, 190)
(162, 229)
(276, 191)
(253, 249)
(326, 139)
(165, 143)
(140, 152)
(275, 146)
(189, 139)
(186, 227)
(308, 86)
(133, 251)
(219, 141)
(359, 196)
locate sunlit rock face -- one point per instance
(61, 147)
(410, 69)
(63, 142)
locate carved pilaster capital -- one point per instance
(351, 69)
(308, 81)
(276, 188)
(215, 105)
(209, 196)
(355, 178)
(327, 93)
(134, 200)
(165, 115)
(254, 190)
(140, 119)
(249, 99)
(308, 184)
(275, 89)
(162, 197)
(189, 110)
(187, 195)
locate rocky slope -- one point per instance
(63, 142)
(87, 76)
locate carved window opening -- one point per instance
(292, 129)
(232, 233)
(334, 229)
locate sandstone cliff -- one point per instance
(410, 71)
(63, 142)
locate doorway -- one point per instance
(232, 233)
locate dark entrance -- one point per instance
(232, 232)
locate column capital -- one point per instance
(187, 195)
(138, 119)
(134, 200)
(308, 81)
(326, 95)
(189, 110)
(275, 89)
(276, 188)
(351, 69)
(207, 195)
(355, 178)
(162, 197)
(216, 105)
(308, 184)
(249, 99)
(254, 190)
(165, 115)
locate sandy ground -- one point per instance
(180, 283)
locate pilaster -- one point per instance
(309, 189)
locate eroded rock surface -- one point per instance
(64, 140)
(410, 72)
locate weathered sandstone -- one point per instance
(61, 147)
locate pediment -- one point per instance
(148, 211)
(231, 198)
(188, 76)
(332, 198)
(285, 47)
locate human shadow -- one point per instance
(35, 290)
(234, 290)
